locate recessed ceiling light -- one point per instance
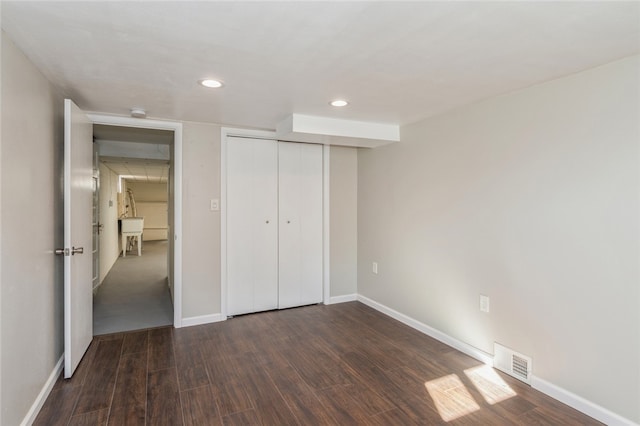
(207, 82)
(339, 103)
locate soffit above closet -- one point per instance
(331, 131)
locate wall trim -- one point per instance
(556, 392)
(579, 403)
(223, 221)
(203, 319)
(44, 393)
(342, 299)
(429, 331)
(326, 224)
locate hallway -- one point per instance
(135, 295)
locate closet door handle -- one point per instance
(288, 221)
(267, 222)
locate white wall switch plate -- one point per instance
(374, 267)
(215, 205)
(484, 303)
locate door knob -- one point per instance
(62, 251)
(78, 250)
(267, 221)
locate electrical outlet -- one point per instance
(374, 267)
(484, 303)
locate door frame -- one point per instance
(95, 256)
(326, 263)
(176, 127)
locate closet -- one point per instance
(274, 224)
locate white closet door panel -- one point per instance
(289, 252)
(239, 229)
(252, 240)
(300, 220)
(265, 224)
(310, 217)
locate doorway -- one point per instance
(136, 180)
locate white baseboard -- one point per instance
(44, 393)
(572, 400)
(342, 299)
(429, 331)
(202, 319)
(579, 403)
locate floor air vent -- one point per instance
(512, 363)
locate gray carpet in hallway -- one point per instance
(134, 295)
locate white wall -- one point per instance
(109, 238)
(343, 205)
(152, 204)
(31, 227)
(531, 198)
(200, 225)
(148, 192)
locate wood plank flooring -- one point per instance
(343, 364)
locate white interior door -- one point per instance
(300, 223)
(252, 225)
(78, 209)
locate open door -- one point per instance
(78, 206)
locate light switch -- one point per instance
(215, 205)
(374, 267)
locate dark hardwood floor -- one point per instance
(318, 365)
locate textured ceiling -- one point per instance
(396, 62)
(151, 171)
(135, 169)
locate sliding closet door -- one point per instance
(252, 228)
(300, 219)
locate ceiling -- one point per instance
(396, 62)
(134, 169)
(137, 170)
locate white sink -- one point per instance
(132, 224)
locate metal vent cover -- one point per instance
(520, 366)
(512, 362)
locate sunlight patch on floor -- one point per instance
(451, 397)
(489, 384)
